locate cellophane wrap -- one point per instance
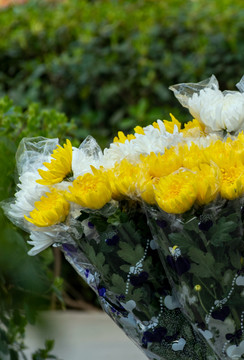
(202, 253)
(117, 257)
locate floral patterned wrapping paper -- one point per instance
(202, 253)
(116, 256)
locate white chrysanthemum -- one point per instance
(29, 192)
(81, 164)
(40, 241)
(217, 110)
(89, 153)
(153, 140)
(42, 238)
(117, 152)
(31, 154)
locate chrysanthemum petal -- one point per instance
(59, 167)
(51, 209)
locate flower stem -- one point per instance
(200, 300)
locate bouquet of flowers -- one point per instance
(106, 240)
(188, 184)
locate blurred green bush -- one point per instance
(108, 64)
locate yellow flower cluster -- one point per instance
(183, 176)
(91, 191)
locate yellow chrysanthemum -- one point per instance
(192, 156)
(90, 191)
(49, 210)
(162, 165)
(121, 138)
(208, 183)
(220, 152)
(176, 193)
(145, 187)
(232, 182)
(229, 160)
(60, 166)
(123, 180)
(238, 146)
(112, 177)
(193, 128)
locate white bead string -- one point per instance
(224, 348)
(160, 311)
(242, 322)
(220, 303)
(137, 268)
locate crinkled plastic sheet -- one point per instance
(202, 253)
(184, 91)
(32, 152)
(30, 156)
(120, 263)
(221, 112)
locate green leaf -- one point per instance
(138, 294)
(118, 217)
(98, 260)
(125, 268)
(182, 240)
(204, 265)
(130, 255)
(49, 345)
(220, 233)
(192, 225)
(43, 354)
(235, 258)
(118, 283)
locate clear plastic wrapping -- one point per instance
(218, 111)
(202, 253)
(118, 259)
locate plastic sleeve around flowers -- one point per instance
(117, 257)
(202, 253)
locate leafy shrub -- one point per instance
(108, 64)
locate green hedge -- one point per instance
(108, 64)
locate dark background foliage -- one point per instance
(79, 67)
(108, 64)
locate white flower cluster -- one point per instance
(215, 109)
(154, 140)
(218, 111)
